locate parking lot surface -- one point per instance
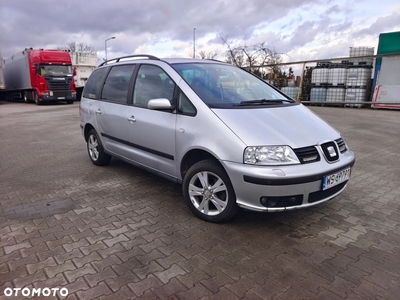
(118, 232)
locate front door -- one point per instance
(152, 132)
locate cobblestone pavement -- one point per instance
(118, 232)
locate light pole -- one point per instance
(105, 44)
(194, 42)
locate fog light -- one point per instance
(269, 201)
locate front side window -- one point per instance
(225, 86)
(94, 83)
(185, 107)
(117, 84)
(152, 83)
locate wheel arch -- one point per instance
(193, 156)
(88, 127)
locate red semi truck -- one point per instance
(40, 76)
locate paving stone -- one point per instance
(166, 275)
(10, 249)
(142, 286)
(75, 245)
(82, 260)
(123, 294)
(94, 247)
(95, 292)
(53, 252)
(32, 268)
(196, 292)
(15, 264)
(74, 274)
(94, 279)
(117, 231)
(106, 262)
(116, 283)
(52, 271)
(216, 282)
(22, 282)
(169, 290)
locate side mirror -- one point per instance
(159, 104)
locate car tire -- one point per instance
(208, 192)
(96, 150)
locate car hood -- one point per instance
(292, 125)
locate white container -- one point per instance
(337, 76)
(362, 51)
(318, 94)
(358, 77)
(335, 94)
(290, 91)
(319, 76)
(355, 95)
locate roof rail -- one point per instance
(115, 60)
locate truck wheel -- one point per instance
(36, 98)
(27, 97)
(96, 150)
(70, 101)
(208, 192)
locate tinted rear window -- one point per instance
(93, 85)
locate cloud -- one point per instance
(165, 28)
(382, 24)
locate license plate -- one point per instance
(335, 179)
(60, 97)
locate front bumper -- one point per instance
(56, 99)
(300, 185)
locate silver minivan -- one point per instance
(229, 138)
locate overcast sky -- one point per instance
(301, 29)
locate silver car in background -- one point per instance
(228, 137)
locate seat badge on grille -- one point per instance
(332, 152)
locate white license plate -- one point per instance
(335, 179)
(60, 97)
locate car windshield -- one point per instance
(226, 86)
(56, 70)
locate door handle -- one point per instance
(132, 119)
(98, 112)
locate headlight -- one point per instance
(270, 155)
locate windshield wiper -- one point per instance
(264, 101)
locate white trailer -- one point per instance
(85, 63)
(387, 87)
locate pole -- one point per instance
(194, 42)
(105, 44)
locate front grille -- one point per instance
(341, 144)
(317, 196)
(285, 201)
(307, 154)
(60, 88)
(330, 151)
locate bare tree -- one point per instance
(208, 55)
(81, 48)
(254, 58)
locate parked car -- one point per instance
(232, 140)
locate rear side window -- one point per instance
(117, 84)
(93, 85)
